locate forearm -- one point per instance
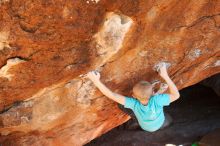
(94, 76)
(172, 87)
(105, 90)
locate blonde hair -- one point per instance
(141, 90)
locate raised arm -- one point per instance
(173, 91)
(94, 76)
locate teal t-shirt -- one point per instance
(151, 116)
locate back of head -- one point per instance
(142, 90)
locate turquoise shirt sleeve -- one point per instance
(162, 99)
(130, 102)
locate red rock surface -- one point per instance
(46, 45)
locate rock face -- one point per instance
(46, 45)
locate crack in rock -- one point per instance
(198, 21)
(85, 92)
(19, 113)
(81, 91)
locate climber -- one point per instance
(146, 107)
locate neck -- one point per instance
(144, 102)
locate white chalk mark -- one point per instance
(195, 53)
(4, 40)
(112, 34)
(160, 64)
(84, 93)
(217, 63)
(143, 53)
(92, 1)
(4, 71)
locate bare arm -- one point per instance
(95, 78)
(173, 91)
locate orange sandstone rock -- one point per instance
(46, 45)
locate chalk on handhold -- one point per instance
(195, 53)
(160, 64)
(217, 63)
(82, 75)
(100, 68)
(96, 70)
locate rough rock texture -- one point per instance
(46, 45)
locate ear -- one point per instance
(153, 92)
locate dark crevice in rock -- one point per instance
(19, 57)
(14, 57)
(213, 82)
(7, 108)
(31, 29)
(198, 21)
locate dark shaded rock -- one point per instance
(211, 139)
(213, 82)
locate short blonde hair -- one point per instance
(141, 90)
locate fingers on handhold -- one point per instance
(167, 64)
(82, 75)
(156, 67)
(161, 64)
(96, 72)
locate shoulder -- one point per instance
(163, 95)
(161, 99)
(130, 102)
(130, 99)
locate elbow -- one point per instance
(177, 95)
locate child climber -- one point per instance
(146, 106)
